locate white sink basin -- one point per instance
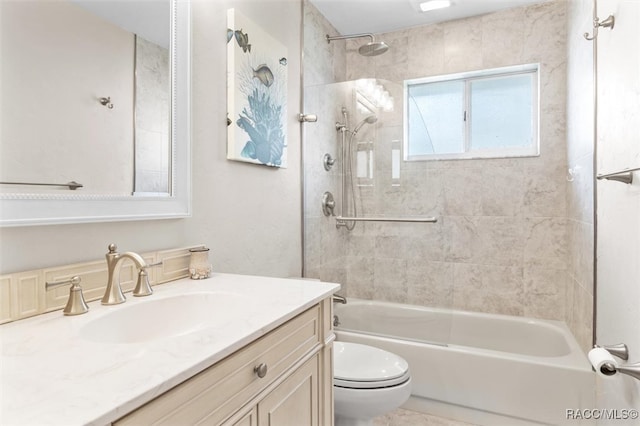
(161, 318)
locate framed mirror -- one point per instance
(95, 111)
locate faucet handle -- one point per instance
(143, 286)
(76, 304)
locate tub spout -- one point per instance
(339, 299)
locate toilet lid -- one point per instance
(361, 366)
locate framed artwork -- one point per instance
(256, 94)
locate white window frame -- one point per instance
(529, 151)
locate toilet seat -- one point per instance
(359, 366)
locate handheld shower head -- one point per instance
(367, 120)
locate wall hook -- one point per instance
(106, 102)
(572, 173)
(609, 22)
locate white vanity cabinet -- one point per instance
(296, 389)
(293, 402)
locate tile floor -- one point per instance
(402, 417)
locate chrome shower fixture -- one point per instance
(367, 120)
(373, 48)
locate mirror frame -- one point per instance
(24, 209)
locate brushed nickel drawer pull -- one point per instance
(261, 370)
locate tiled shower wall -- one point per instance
(501, 241)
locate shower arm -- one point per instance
(371, 48)
(350, 36)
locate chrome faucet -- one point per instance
(113, 294)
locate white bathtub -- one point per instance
(481, 368)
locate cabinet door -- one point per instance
(295, 401)
(248, 418)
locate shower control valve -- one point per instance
(328, 204)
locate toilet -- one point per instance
(367, 382)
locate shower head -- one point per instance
(367, 120)
(373, 48)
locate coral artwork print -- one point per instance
(256, 94)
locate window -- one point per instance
(484, 114)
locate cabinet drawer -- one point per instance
(217, 392)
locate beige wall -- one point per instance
(248, 215)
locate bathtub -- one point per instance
(480, 368)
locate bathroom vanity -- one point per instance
(232, 350)
(277, 379)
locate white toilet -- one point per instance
(367, 382)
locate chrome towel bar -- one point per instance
(73, 185)
(624, 176)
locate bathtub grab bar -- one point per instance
(342, 221)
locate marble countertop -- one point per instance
(49, 375)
